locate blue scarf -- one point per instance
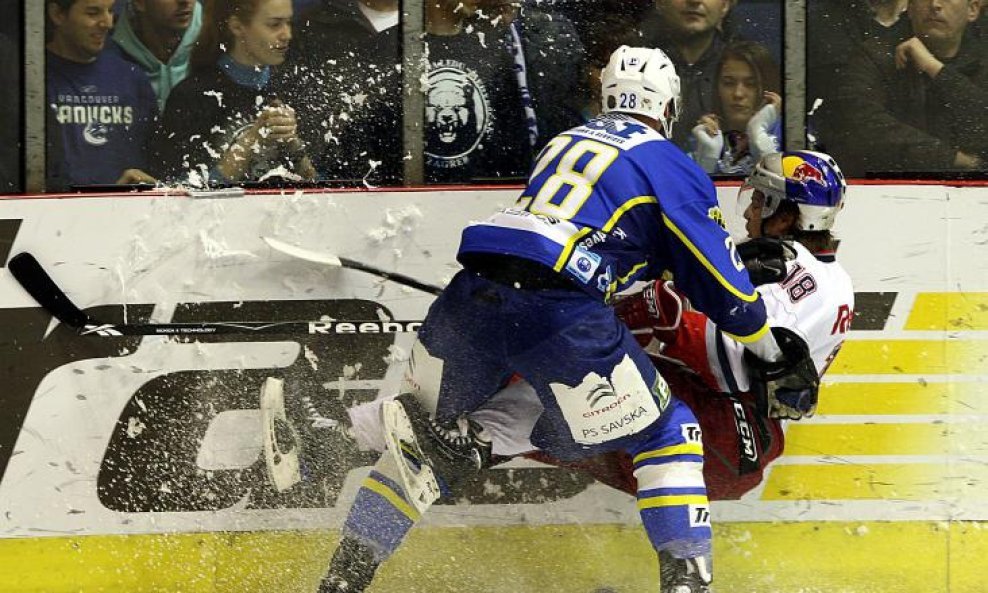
(249, 76)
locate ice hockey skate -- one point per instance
(684, 575)
(417, 478)
(427, 451)
(281, 440)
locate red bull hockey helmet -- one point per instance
(810, 179)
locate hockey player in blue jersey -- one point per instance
(607, 204)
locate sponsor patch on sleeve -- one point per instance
(583, 264)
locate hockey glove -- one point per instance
(659, 307)
(765, 258)
(787, 388)
(709, 146)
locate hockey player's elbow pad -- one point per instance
(765, 259)
(789, 387)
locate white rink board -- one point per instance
(169, 250)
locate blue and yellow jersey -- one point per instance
(613, 202)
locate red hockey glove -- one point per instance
(658, 308)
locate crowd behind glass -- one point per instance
(228, 92)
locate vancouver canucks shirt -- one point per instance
(612, 202)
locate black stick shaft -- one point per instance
(391, 276)
(29, 274)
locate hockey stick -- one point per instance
(32, 277)
(329, 259)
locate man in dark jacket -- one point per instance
(835, 29)
(922, 104)
(488, 106)
(343, 66)
(690, 32)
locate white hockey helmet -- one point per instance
(812, 180)
(642, 81)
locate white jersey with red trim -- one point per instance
(815, 300)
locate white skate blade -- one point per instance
(283, 467)
(420, 484)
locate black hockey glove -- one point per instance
(765, 258)
(787, 388)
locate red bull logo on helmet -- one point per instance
(798, 169)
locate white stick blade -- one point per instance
(327, 259)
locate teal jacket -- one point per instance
(163, 77)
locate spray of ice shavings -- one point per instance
(351, 371)
(396, 220)
(373, 166)
(281, 172)
(311, 357)
(134, 427)
(217, 250)
(395, 355)
(216, 95)
(315, 417)
(297, 216)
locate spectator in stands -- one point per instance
(157, 35)
(549, 61)
(302, 7)
(835, 30)
(226, 123)
(690, 32)
(922, 104)
(602, 35)
(10, 105)
(343, 65)
(487, 106)
(103, 106)
(746, 121)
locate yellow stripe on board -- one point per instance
(804, 557)
(903, 398)
(924, 438)
(949, 311)
(892, 481)
(870, 357)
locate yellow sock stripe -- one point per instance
(671, 501)
(682, 449)
(396, 500)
